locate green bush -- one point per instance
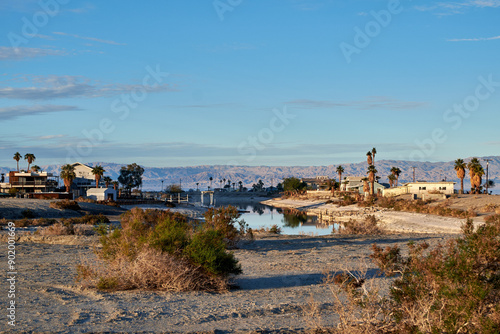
(139, 254)
(207, 248)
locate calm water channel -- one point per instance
(290, 222)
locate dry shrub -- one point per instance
(162, 250)
(83, 229)
(490, 207)
(151, 269)
(368, 226)
(58, 229)
(65, 205)
(358, 302)
(452, 288)
(420, 206)
(497, 211)
(85, 200)
(90, 219)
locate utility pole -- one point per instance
(487, 179)
(414, 174)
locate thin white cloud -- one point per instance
(88, 38)
(369, 103)
(49, 137)
(54, 87)
(10, 53)
(9, 113)
(479, 39)
(452, 8)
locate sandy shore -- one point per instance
(393, 221)
(281, 276)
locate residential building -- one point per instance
(421, 188)
(84, 179)
(29, 182)
(317, 183)
(102, 194)
(356, 183)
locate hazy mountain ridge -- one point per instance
(429, 171)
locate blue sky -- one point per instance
(274, 82)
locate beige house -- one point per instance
(29, 182)
(84, 180)
(422, 188)
(355, 183)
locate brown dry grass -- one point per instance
(150, 270)
(368, 226)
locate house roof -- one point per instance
(424, 182)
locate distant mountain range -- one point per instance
(189, 176)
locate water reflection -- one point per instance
(291, 221)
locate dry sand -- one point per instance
(281, 276)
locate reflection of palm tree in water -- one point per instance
(293, 218)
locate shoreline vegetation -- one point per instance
(279, 283)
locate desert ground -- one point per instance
(281, 280)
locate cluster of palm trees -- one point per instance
(476, 173)
(30, 158)
(394, 176)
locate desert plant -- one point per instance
(163, 250)
(58, 229)
(27, 213)
(65, 205)
(368, 226)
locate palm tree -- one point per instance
(221, 183)
(340, 170)
(396, 171)
(477, 178)
(241, 184)
(115, 184)
(98, 171)
(366, 186)
(369, 159)
(371, 176)
(460, 167)
(68, 175)
(374, 151)
(107, 181)
(30, 157)
(211, 179)
(197, 186)
(392, 179)
(473, 165)
(35, 168)
(17, 157)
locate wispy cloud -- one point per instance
(479, 39)
(452, 8)
(9, 113)
(10, 53)
(88, 38)
(54, 87)
(369, 103)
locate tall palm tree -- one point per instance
(197, 186)
(241, 184)
(374, 151)
(107, 181)
(30, 157)
(68, 175)
(392, 179)
(17, 157)
(369, 159)
(211, 179)
(371, 176)
(35, 168)
(98, 171)
(477, 179)
(115, 184)
(220, 181)
(473, 166)
(340, 170)
(460, 167)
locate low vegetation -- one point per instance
(368, 226)
(65, 205)
(419, 206)
(162, 250)
(452, 288)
